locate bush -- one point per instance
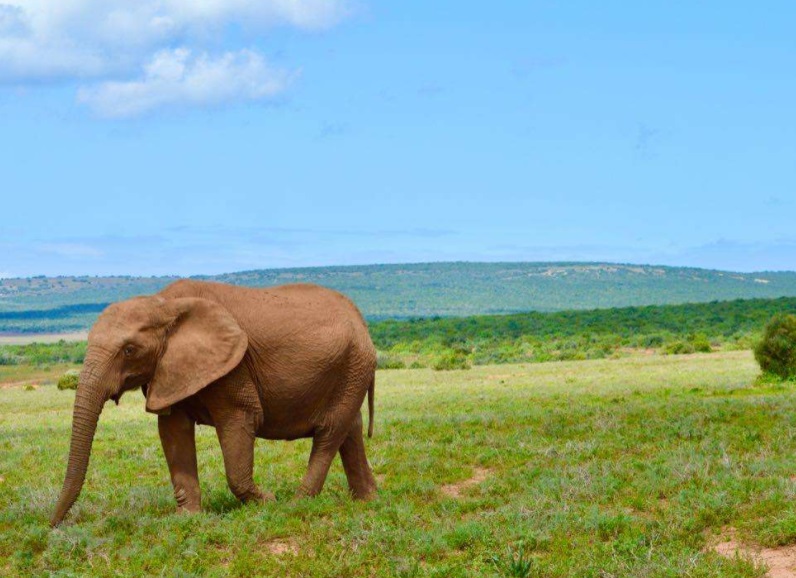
(678, 348)
(776, 352)
(386, 361)
(701, 343)
(451, 359)
(8, 358)
(68, 380)
(652, 341)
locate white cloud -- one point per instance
(111, 43)
(72, 250)
(178, 77)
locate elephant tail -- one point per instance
(371, 393)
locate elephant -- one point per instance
(279, 363)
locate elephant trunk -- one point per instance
(88, 405)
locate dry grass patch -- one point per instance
(455, 490)
(282, 546)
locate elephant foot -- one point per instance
(256, 496)
(263, 497)
(188, 509)
(302, 493)
(364, 494)
(188, 502)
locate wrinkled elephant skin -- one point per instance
(281, 363)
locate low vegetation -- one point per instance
(454, 343)
(623, 468)
(43, 354)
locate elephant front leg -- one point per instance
(177, 436)
(237, 446)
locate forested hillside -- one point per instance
(528, 337)
(43, 304)
(449, 343)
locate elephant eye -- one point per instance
(129, 350)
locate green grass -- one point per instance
(48, 374)
(601, 468)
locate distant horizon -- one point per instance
(408, 263)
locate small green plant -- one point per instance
(776, 351)
(514, 564)
(68, 380)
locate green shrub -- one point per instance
(679, 348)
(701, 343)
(776, 352)
(386, 361)
(68, 380)
(451, 359)
(652, 341)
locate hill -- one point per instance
(50, 304)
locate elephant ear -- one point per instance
(203, 343)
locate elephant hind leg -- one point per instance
(357, 470)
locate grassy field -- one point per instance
(12, 376)
(628, 467)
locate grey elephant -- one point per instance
(281, 363)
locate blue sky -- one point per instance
(171, 136)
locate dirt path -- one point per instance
(455, 490)
(12, 384)
(781, 561)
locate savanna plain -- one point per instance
(637, 466)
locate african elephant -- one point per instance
(281, 363)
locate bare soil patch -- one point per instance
(17, 384)
(780, 561)
(455, 490)
(282, 546)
